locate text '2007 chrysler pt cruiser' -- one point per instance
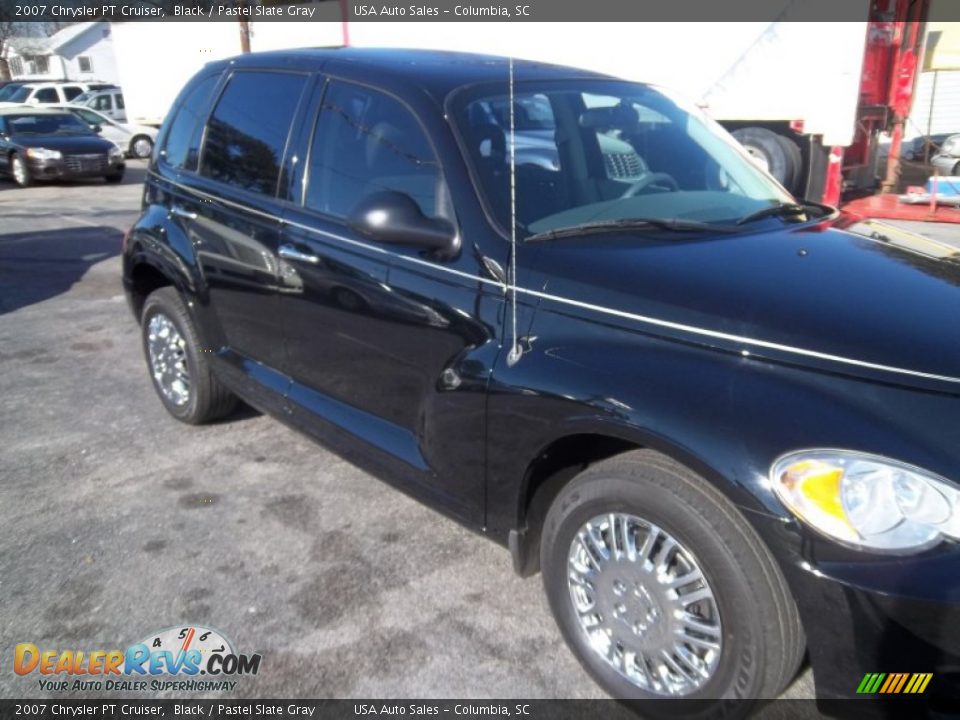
(570, 312)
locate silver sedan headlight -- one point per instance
(867, 501)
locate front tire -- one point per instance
(663, 590)
(20, 170)
(179, 365)
(114, 177)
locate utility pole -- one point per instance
(244, 28)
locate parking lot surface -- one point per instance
(117, 521)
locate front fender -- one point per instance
(726, 416)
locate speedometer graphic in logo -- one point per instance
(190, 645)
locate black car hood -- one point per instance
(67, 144)
(859, 298)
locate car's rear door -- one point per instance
(225, 201)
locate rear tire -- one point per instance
(201, 398)
(761, 641)
(772, 153)
(141, 147)
(794, 163)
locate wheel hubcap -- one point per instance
(168, 359)
(141, 148)
(644, 604)
(19, 171)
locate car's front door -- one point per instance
(384, 343)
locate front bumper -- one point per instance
(71, 167)
(871, 614)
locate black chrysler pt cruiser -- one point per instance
(571, 313)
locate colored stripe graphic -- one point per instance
(894, 683)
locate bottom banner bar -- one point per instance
(107, 709)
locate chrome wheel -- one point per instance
(142, 147)
(168, 359)
(19, 170)
(644, 604)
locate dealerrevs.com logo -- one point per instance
(172, 659)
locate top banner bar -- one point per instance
(455, 11)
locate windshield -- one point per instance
(83, 98)
(47, 124)
(591, 151)
(21, 94)
(7, 91)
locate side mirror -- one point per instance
(395, 218)
(97, 129)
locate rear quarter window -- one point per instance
(182, 143)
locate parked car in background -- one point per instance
(947, 161)
(50, 144)
(135, 140)
(923, 146)
(108, 101)
(721, 422)
(45, 93)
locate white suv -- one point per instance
(46, 93)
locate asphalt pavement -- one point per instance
(116, 521)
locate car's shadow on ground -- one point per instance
(37, 266)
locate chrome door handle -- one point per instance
(289, 252)
(182, 212)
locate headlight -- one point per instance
(116, 153)
(867, 501)
(42, 153)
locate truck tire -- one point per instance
(662, 588)
(794, 164)
(770, 153)
(179, 365)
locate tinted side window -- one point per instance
(183, 138)
(247, 133)
(367, 142)
(71, 91)
(119, 101)
(46, 95)
(102, 103)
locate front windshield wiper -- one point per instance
(782, 209)
(639, 223)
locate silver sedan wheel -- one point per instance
(644, 604)
(168, 359)
(142, 147)
(19, 170)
